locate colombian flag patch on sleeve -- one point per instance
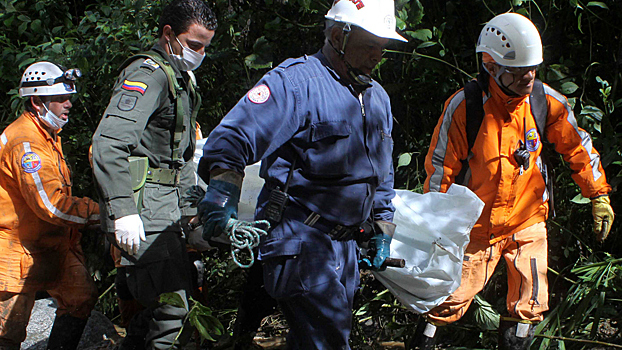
(134, 86)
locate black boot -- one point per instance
(66, 333)
(515, 335)
(424, 337)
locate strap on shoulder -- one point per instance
(539, 107)
(474, 111)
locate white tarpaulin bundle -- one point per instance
(431, 235)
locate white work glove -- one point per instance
(129, 231)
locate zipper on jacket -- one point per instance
(535, 284)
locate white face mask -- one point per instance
(189, 59)
(51, 120)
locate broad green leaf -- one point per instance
(579, 199)
(598, 4)
(36, 25)
(202, 327)
(404, 159)
(24, 18)
(569, 87)
(420, 34)
(485, 315)
(173, 299)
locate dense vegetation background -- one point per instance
(583, 57)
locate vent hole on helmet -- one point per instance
(503, 37)
(42, 73)
(498, 32)
(507, 45)
(38, 78)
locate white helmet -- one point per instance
(47, 79)
(512, 40)
(375, 16)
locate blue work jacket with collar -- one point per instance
(340, 141)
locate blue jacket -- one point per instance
(342, 148)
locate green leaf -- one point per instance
(22, 28)
(569, 87)
(202, 327)
(172, 299)
(36, 25)
(420, 34)
(593, 113)
(579, 199)
(400, 24)
(255, 62)
(426, 44)
(598, 4)
(404, 159)
(24, 18)
(485, 315)
(57, 48)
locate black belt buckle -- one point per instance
(343, 233)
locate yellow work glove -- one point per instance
(603, 217)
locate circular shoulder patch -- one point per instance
(31, 162)
(259, 94)
(532, 140)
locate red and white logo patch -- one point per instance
(259, 94)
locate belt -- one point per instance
(169, 177)
(335, 231)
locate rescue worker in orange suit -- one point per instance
(505, 172)
(39, 220)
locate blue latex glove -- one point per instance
(218, 206)
(379, 249)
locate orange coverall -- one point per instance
(512, 221)
(39, 221)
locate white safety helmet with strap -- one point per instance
(512, 40)
(374, 16)
(48, 79)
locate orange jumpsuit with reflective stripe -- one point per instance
(515, 199)
(39, 221)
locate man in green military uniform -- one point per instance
(142, 162)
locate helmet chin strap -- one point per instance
(355, 74)
(497, 79)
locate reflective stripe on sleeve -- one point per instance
(46, 200)
(438, 156)
(586, 139)
(3, 139)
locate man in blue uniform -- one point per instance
(322, 128)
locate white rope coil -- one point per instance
(245, 235)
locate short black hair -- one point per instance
(181, 14)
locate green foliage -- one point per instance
(199, 316)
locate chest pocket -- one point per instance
(328, 154)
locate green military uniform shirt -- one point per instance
(140, 120)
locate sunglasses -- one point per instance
(520, 70)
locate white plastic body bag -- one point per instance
(432, 234)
